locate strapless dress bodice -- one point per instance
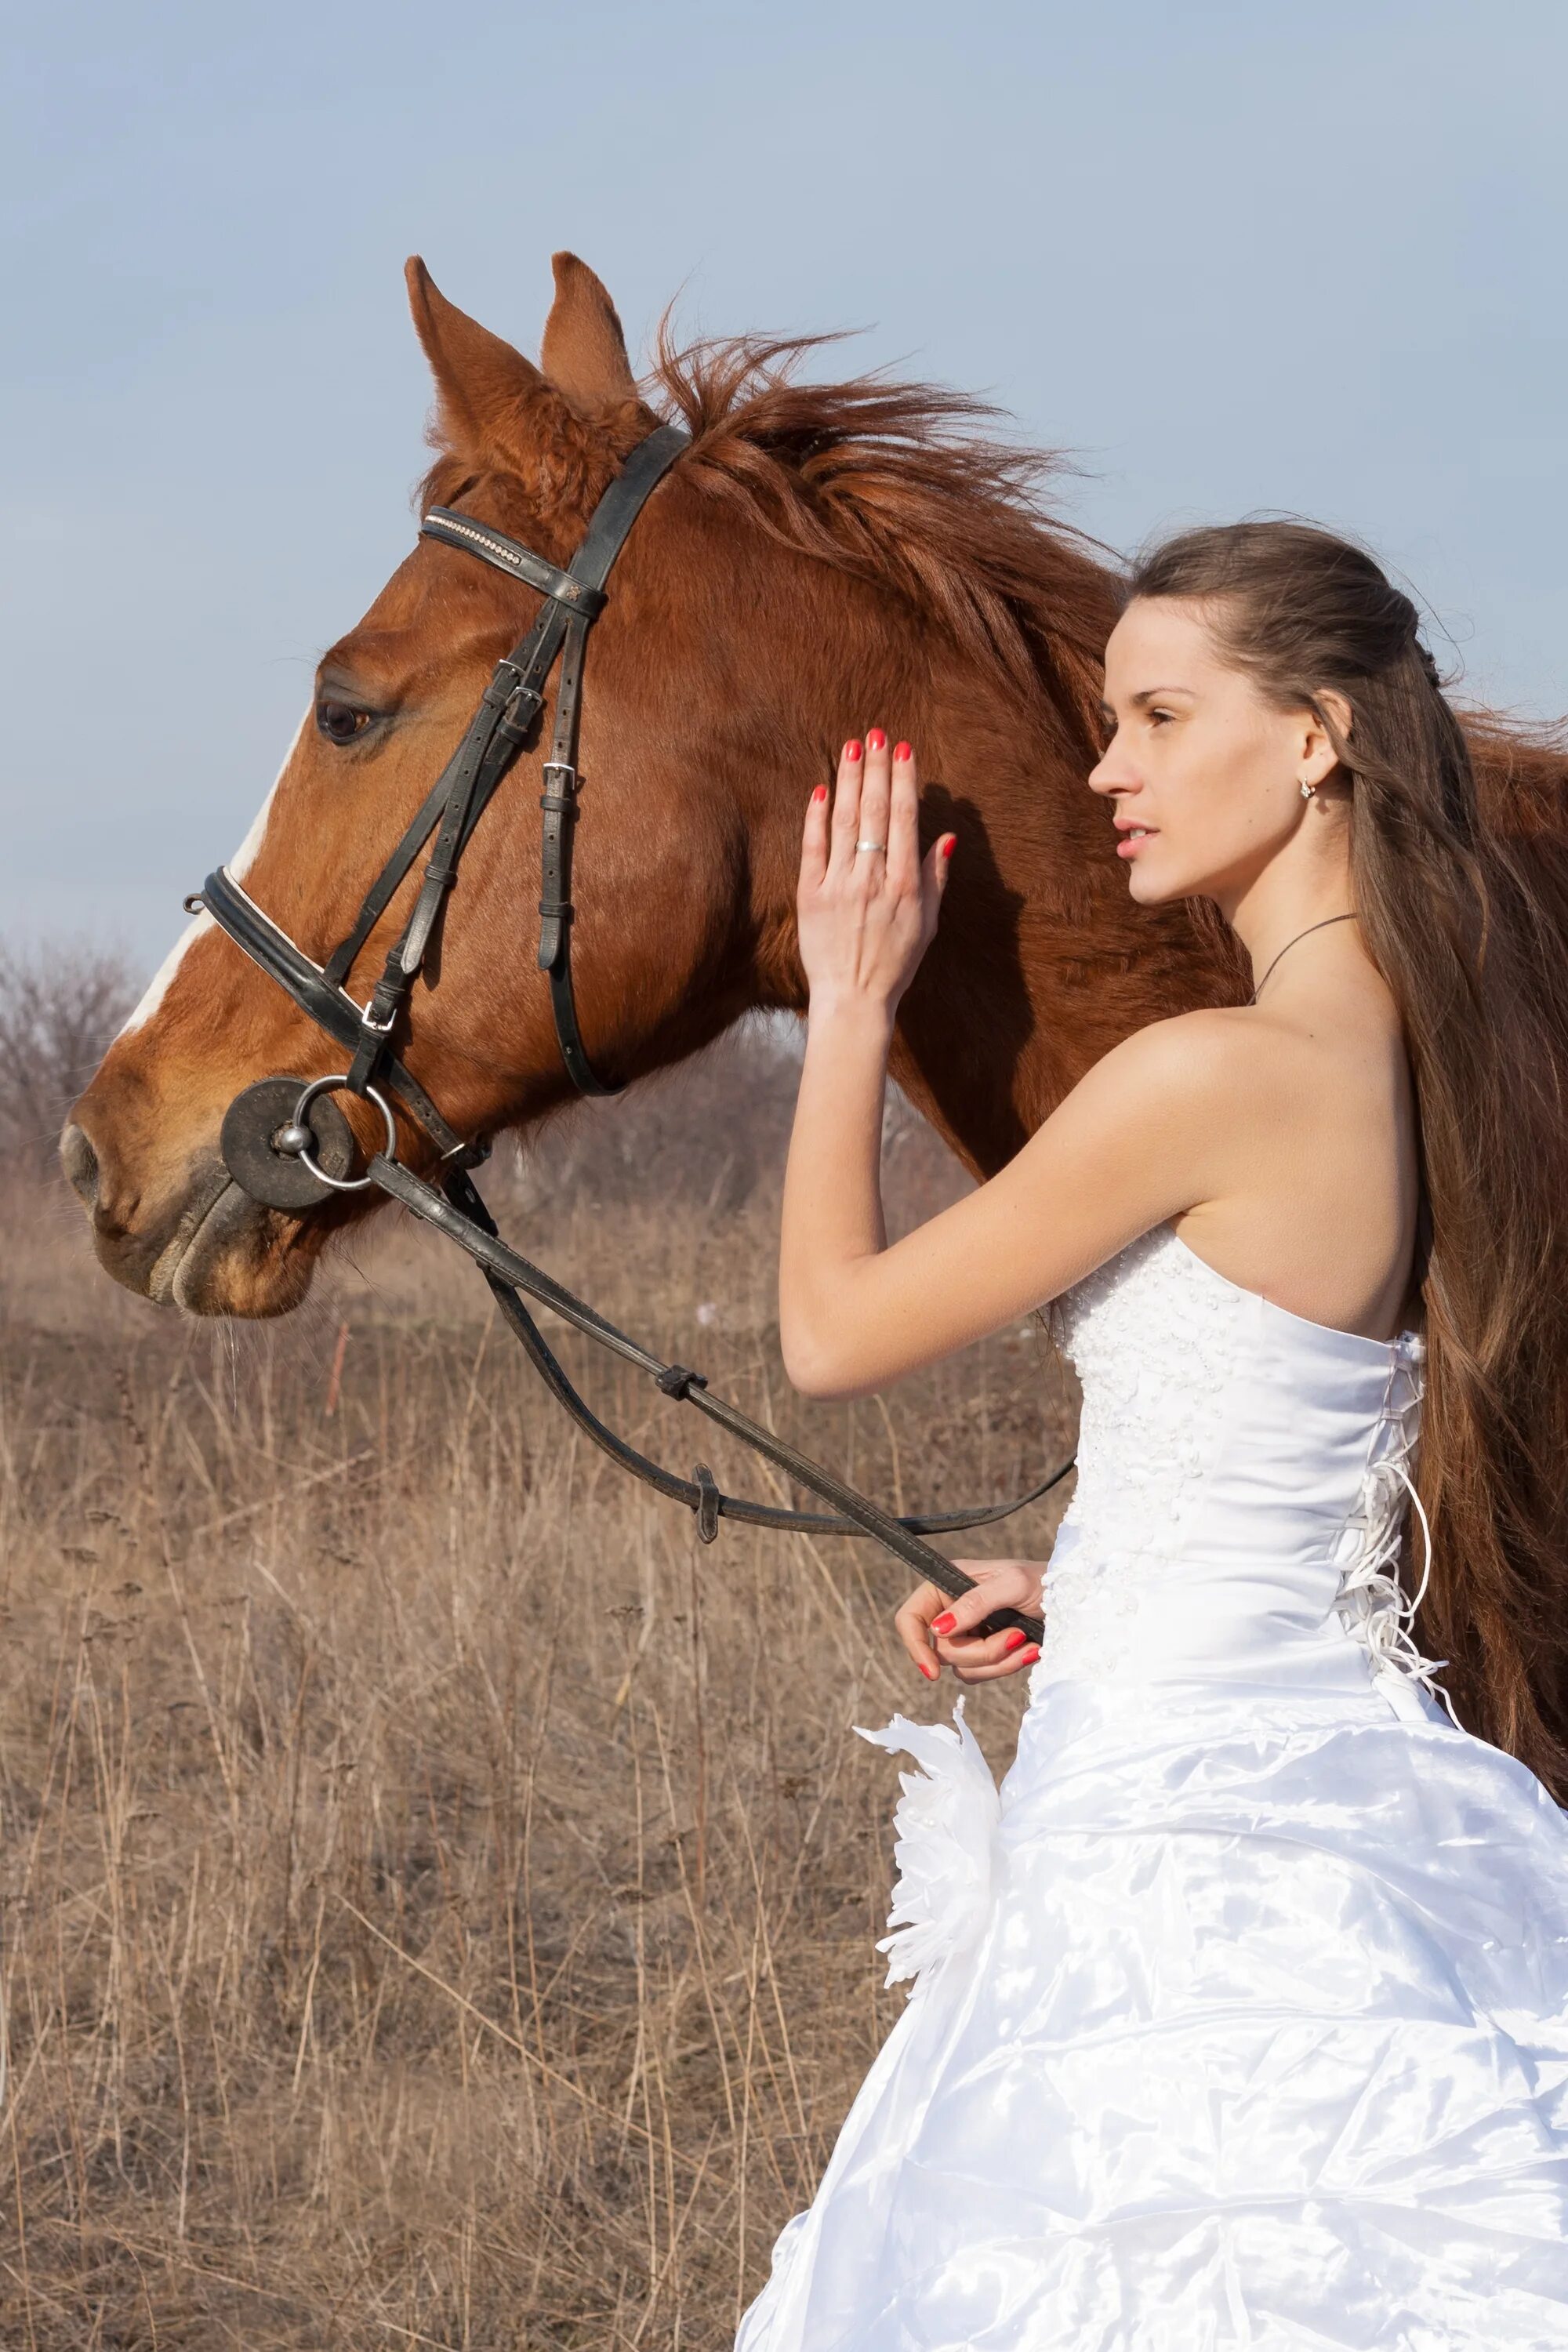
(1244, 1479)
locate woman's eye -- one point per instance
(340, 722)
(1159, 718)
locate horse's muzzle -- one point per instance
(199, 1243)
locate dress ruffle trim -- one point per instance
(945, 1845)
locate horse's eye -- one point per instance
(340, 722)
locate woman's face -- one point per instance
(1203, 776)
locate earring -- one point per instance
(1307, 790)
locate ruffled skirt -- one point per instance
(1240, 2020)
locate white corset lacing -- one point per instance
(1370, 1601)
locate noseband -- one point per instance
(287, 1144)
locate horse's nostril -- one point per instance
(79, 1161)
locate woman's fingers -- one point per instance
(814, 842)
(913, 1627)
(847, 792)
(933, 878)
(876, 799)
(978, 1656)
(1002, 1589)
(937, 1631)
(876, 794)
(903, 823)
(1015, 1662)
(998, 1584)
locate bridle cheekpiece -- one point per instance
(507, 714)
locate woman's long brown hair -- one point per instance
(1464, 910)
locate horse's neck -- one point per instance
(1041, 962)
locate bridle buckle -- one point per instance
(523, 705)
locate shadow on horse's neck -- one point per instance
(1042, 961)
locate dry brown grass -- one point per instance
(439, 1895)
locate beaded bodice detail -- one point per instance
(1153, 1342)
(1244, 1475)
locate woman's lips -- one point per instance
(1132, 843)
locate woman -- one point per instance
(1242, 2017)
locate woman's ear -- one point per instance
(1339, 710)
(1318, 756)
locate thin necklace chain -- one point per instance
(1348, 918)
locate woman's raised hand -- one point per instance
(936, 1631)
(867, 905)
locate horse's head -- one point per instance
(821, 558)
(675, 882)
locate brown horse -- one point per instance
(822, 558)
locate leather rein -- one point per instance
(286, 1142)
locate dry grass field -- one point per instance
(439, 1895)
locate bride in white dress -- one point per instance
(1240, 2014)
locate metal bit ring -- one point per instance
(288, 1141)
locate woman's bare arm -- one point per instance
(1143, 1136)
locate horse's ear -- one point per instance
(492, 404)
(584, 349)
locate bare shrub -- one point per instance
(59, 1007)
(712, 1133)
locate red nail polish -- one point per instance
(820, 793)
(1031, 1654)
(852, 750)
(1015, 1634)
(876, 741)
(930, 1670)
(944, 1624)
(902, 751)
(950, 844)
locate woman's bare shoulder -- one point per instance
(1253, 1096)
(1243, 1054)
(1198, 1056)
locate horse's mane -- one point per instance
(911, 488)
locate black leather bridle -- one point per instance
(507, 713)
(286, 1143)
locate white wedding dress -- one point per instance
(1240, 2014)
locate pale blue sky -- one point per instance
(1235, 256)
